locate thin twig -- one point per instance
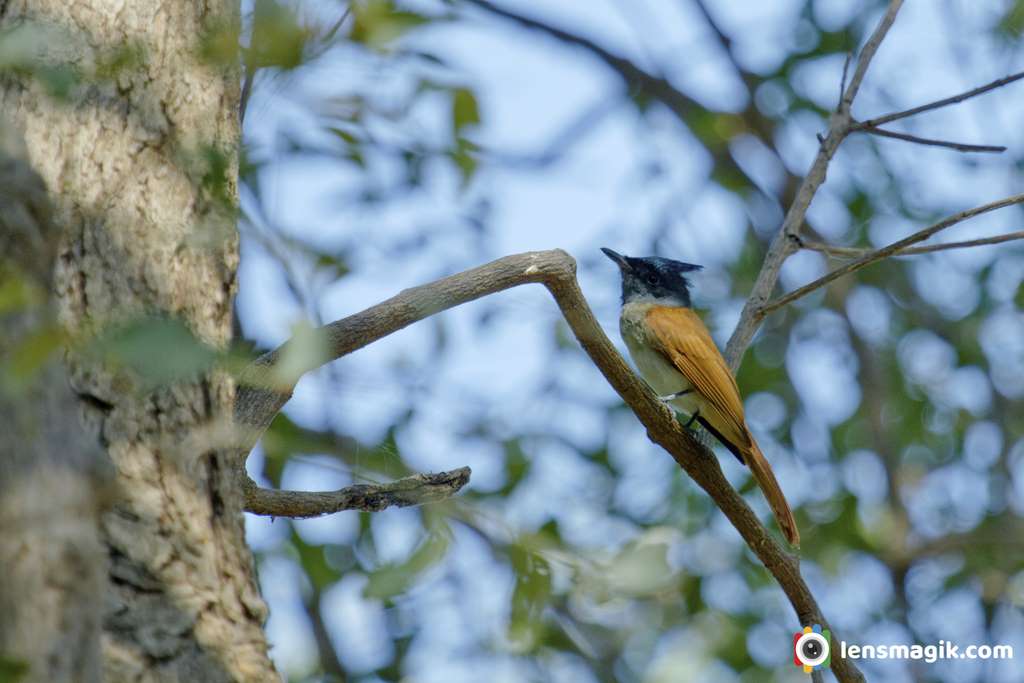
(258, 400)
(786, 241)
(846, 72)
(998, 83)
(250, 71)
(333, 30)
(858, 252)
(885, 252)
(243, 101)
(958, 146)
(868, 52)
(417, 489)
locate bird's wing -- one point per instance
(680, 336)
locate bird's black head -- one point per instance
(653, 278)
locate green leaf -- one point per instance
(217, 170)
(640, 569)
(58, 80)
(465, 158)
(160, 350)
(353, 146)
(337, 265)
(306, 350)
(517, 465)
(347, 137)
(529, 598)
(1011, 25)
(30, 354)
(394, 579)
(219, 44)
(278, 39)
(18, 291)
(378, 23)
(315, 563)
(12, 670)
(122, 59)
(465, 110)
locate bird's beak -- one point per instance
(619, 259)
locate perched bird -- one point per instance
(677, 356)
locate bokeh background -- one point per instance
(388, 144)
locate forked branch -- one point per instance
(787, 240)
(932, 142)
(895, 249)
(858, 252)
(258, 402)
(945, 102)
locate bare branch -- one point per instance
(786, 241)
(868, 53)
(858, 252)
(881, 120)
(261, 394)
(417, 489)
(885, 252)
(958, 146)
(248, 79)
(846, 73)
(333, 30)
(556, 270)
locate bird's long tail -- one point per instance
(762, 472)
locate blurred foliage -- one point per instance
(12, 671)
(134, 345)
(908, 488)
(379, 23)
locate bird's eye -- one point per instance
(652, 279)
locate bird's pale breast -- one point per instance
(654, 368)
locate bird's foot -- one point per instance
(671, 397)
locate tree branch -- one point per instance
(885, 252)
(556, 270)
(868, 53)
(786, 241)
(895, 116)
(958, 146)
(858, 252)
(417, 489)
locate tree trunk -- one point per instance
(51, 560)
(140, 164)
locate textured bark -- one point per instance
(145, 233)
(52, 563)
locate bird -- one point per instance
(677, 357)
